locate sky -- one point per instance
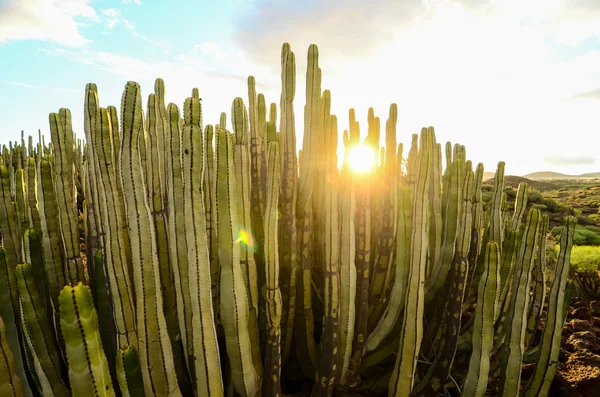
(512, 80)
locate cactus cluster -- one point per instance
(164, 257)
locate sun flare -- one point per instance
(361, 158)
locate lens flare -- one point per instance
(245, 238)
(361, 158)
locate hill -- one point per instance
(514, 181)
(557, 175)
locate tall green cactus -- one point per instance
(272, 292)
(88, 366)
(10, 384)
(402, 378)
(196, 282)
(155, 352)
(234, 304)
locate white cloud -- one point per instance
(485, 74)
(569, 161)
(218, 86)
(52, 20)
(128, 24)
(34, 86)
(111, 12)
(138, 2)
(212, 49)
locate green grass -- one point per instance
(585, 258)
(584, 235)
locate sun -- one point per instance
(361, 158)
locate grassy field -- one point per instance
(559, 198)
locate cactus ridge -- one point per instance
(158, 256)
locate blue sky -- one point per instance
(511, 80)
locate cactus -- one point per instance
(88, 366)
(222, 262)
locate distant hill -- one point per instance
(591, 175)
(488, 175)
(514, 181)
(557, 175)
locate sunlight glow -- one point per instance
(361, 158)
(245, 238)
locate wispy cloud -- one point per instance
(113, 17)
(34, 86)
(111, 12)
(211, 49)
(569, 161)
(469, 68)
(592, 94)
(141, 36)
(52, 20)
(138, 2)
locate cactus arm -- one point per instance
(547, 361)
(520, 206)
(204, 337)
(129, 374)
(304, 325)
(91, 106)
(156, 357)
(51, 240)
(483, 330)
(273, 298)
(9, 221)
(10, 384)
(325, 377)
(401, 381)
(451, 219)
(256, 192)
(510, 369)
(155, 189)
(234, 305)
(11, 323)
(40, 341)
(64, 187)
(32, 248)
(209, 209)
(496, 206)
(309, 143)
(88, 366)
(538, 297)
(34, 213)
(398, 294)
(347, 313)
(439, 370)
(289, 192)
(475, 271)
(116, 256)
(247, 260)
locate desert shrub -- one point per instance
(594, 217)
(588, 283)
(584, 235)
(511, 193)
(486, 196)
(586, 221)
(585, 258)
(551, 205)
(592, 228)
(541, 207)
(535, 197)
